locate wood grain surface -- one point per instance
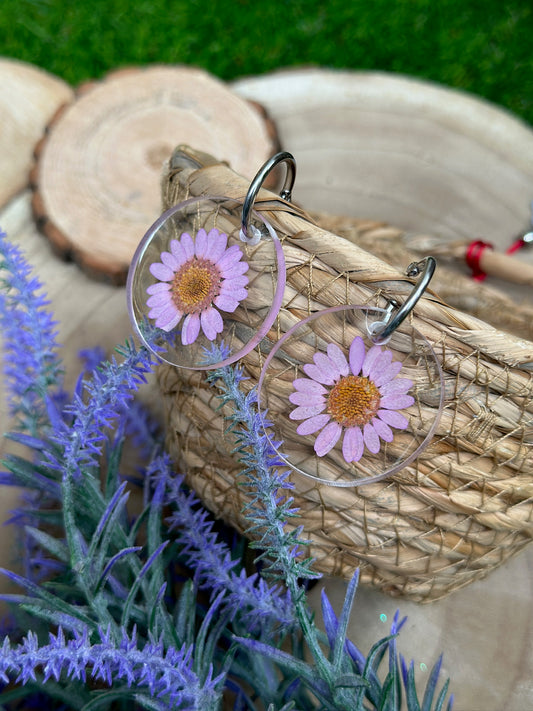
(29, 98)
(97, 173)
(417, 155)
(486, 629)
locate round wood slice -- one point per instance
(411, 153)
(28, 100)
(97, 173)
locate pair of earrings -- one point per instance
(205, 287)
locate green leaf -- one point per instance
(442, 696)
(137, 583)
(43, 599)
(147, 702)
(39, 609)
(340, 637)
(137, 525)
(283, 659)
(350, 681)
(185, 612)
(153, 541)
(50, 543)
(114, 456)
(73, 535)
(431, 686)
(374, 688)
(98, 553)
(388, 701)
(26, 473)
(410, 690)
(208, 637)
(102, 699)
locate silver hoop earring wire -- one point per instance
(381, 332)
(248, 232)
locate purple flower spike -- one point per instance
(197, 279)
(357, 398)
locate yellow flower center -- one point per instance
(195, 285)
(353, 401)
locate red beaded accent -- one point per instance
(473, 256)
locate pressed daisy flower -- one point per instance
(197, 279)
(359, 396)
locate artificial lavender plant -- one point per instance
(156, 609)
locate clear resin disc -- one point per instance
(198, 296)
(342, 410)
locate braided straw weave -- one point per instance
(465, 504)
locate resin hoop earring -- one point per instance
(342, 410)
(199, 297)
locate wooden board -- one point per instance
(485, 630)
(416, 155)
(29, 98)
(97, 175)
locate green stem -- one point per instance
(244, 416)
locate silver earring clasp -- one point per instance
(381, 331)
(248, 233)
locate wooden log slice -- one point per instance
(96, 180)
(28, 100)
(423, 157)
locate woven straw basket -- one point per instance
(465, 504)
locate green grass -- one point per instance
(484, 47)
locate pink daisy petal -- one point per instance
(217, 242)
(230, 257)
(200, 245)
(305, 385)
(384, 432)
(393, 419)
(388, 374)
(302, 413)
(190, 329)
(382, 362)
(238, 293)
(370, 358)
(170, 261)
(236, 270)
(226, 303)
(318, 374)
(187, 244)
(357, 355)
(178, 251)
(396, 402)
(233, 283)
(396, 386)
(298, 398)
(326, 366)
(161, 272)
(313, 424)
(338, 359)
(327, 439)
(173, 322)
(157, 288)
(353, 444)
(166, 317)
(211, 322)
(156, 311)
(371, 438)
(163, 298)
